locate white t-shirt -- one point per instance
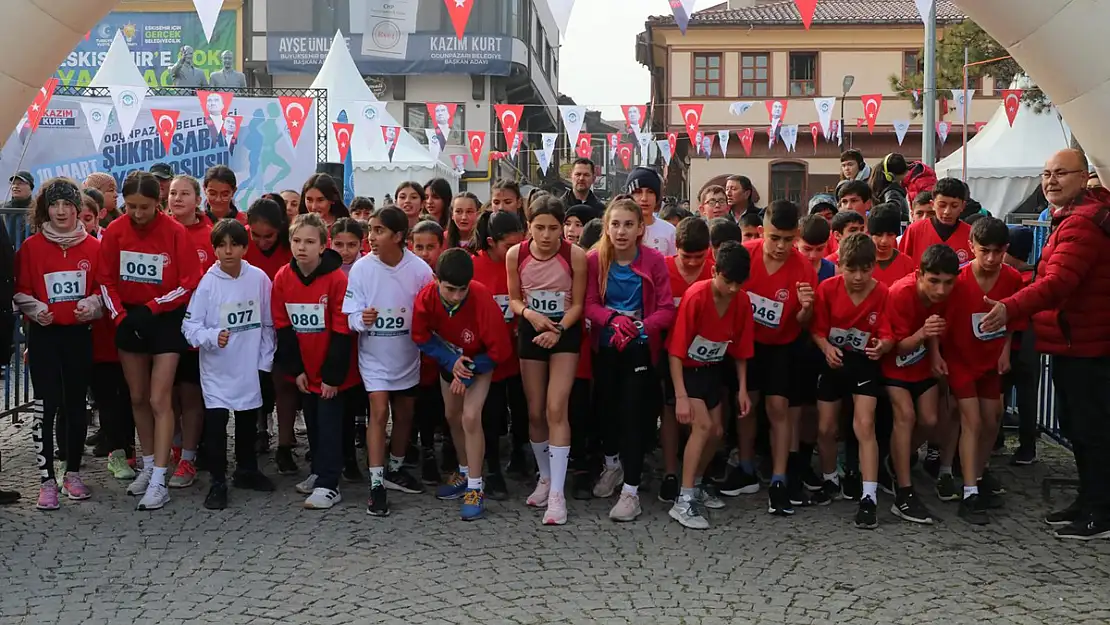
(659, 236)
(387, 358)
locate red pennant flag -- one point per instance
(214, 104)
(476, 139)
(942, 130)
(584, 149)
(871, 105)
(38, 106)
(1011, 99)
(295, 111)
(691, 118)
(860, 121)
(343, 138)
(509, 114)
(672, 140)
(815, 130)
(806, 9)
(390, 135)
(772, 136)
(625, 152)
(979, 126)
(166, 123)
(233, 131)
(460, 14)
(747, 137)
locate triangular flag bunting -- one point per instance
(476, 139)
(118, 67)
(776, 112)
(128, 101)
(215, 105)
(38, 106)
(583, 148)
(514, 149)
(460, 14)
(390, 136)
(697, 141)
(962, 100)
(459, 160)
(561, 10)
(747, 138)
(625, 152)
(546, 150)
(815, 130)
(871, 105)
(343, 134)
(509, 114)
(1011, 99)
(772, 132)
(739, 108)
(442, 115)
(433, 142)
(665, 150)
(789, 133)
(806, 9)
(923, 8)
(672, 142)
(691, 118)
(722, 140)
(209, 12)
(901, 127)
(295, 112)
(644, 139)
(232, 124)
(824, 108)
(166, 123)
(573, 118)
(97, 116)
(612, 140)
(942, 130)
(634, 116)
(707, 145)
(682, 10)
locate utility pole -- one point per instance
(929, 90)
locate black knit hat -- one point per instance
(584, 212)
(644, 178)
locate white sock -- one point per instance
(474, 483)
(869, 489)
(833, 477)
(612, 462)
(463, 471)
(189, 455)
(377, 475)
(395, 463)
(543, 459)
(158, 477)
(630, 490)
(970, 490)
(148, 463)
(560, 456)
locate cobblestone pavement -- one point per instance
(265, 560)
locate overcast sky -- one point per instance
(597, 63)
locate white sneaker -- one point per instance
(141, 482)
(322, 499)
(155, 497)
(627, 508)
(299, 427)
(538, 498)
(308, 486)
(609, 481)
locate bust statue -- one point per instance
(228, 78)
(184, 73)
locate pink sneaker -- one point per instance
(48, 496)
(74, 488)
(556, 510)
(538, 498)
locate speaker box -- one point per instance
(335, 170)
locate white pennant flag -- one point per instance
(128, 101)
(963, 105)
(209, 12)
(901, 127)
(722, 139)
(943, 129)
(739, 108)
(664, 149)
(561, 9)
(789, 134)
(923, 7)
(824, 108)
(548, 149)
(433, 143)
(97, 117)
(644, 139)
(573, 118)
(118, 66)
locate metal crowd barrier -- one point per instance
(18, 395)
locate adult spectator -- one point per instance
(742, 198)
(164, 174)
(23, 183)
(582, 175)
(1067, 301)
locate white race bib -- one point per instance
(64, 286)
(853, 339)
(766, 312)
(307, 318)
(392, 322)
(240, 316)
(976, 319)
(140, 267)
(910, 359)
(702, 350)
(548, 303)
(503, 302)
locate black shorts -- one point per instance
(859, 376)
(163, 336)
(405, 392)
(188, 368)
(570, 342)
(771, 370)
(703, 383)
(808, 363)
(916, 389)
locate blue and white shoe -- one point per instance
(474, 504)
(453, 488)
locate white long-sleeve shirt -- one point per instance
(387, 358)
(229, 375)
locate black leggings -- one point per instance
(356, 401)
(625, 385)
(429, 414)
(583, 426)
(113, 401)
(215, 442)
(60, 359)
(505, 398)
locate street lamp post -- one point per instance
(849, 80)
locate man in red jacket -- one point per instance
(1068, 302)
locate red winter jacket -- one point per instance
(1069, 298)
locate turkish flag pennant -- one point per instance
(979, 126)
(806, 9)
(691, 118)
(390, 135)
(295, 111)
(815, 130)
(233, 131)
(871, 105)
(460, 14)
(343, 138)
(38, 106)
(747, 138)
(509, 114)
(1011, 99)
(584, 149)
(166, 122)
(215, 105)
(476, 139)
(860, 121)
(625, 152)
(672, 141)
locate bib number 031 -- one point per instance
(64, 286)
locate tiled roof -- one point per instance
(828, 12)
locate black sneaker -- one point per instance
(991, 484)
(1024, 456)
(798, 494)
(737, 482)
(932, 462)
(811, 480)
(518, 465)
(866, 515)
(262, 443)
(668, 490)
(778, 500)
(360, 436)
(283, 458)
(851, 486)
(1085, 529)
(252, 480)
(429, 470)
(94, 439)
(947, 489)
(495, 487)
(886, 476)
(1067, 516)
(401, 480)
(989, 500)
(830, 492)
(8, 497)
(352, 472)
(378, 504)
(582, 485)
(216, 499)
(908, 507)
(972, 510)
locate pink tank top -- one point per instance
(546, 284)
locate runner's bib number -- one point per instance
(548, 303)
(391, 322)
(702, 350)
(851, 338)
(976, 319)
(766, 312)
(306, 318)
(503, 302)
(240, 316)
(140, 267)
(910, 359)
(64, 286)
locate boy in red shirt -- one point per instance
(427, 243)
(843, 224)
(457, 322)
(975, 360)
(884, 224)
(916, 309)
(949, 199)
(712, 320)
(850, 328)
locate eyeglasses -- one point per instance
(1049, 175)
(715, 203)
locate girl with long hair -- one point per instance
(465, 209)
(437, 201)
(410, 199)
(321, 195)
(220, 186)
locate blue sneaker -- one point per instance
(474, 504)
(453, 488)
